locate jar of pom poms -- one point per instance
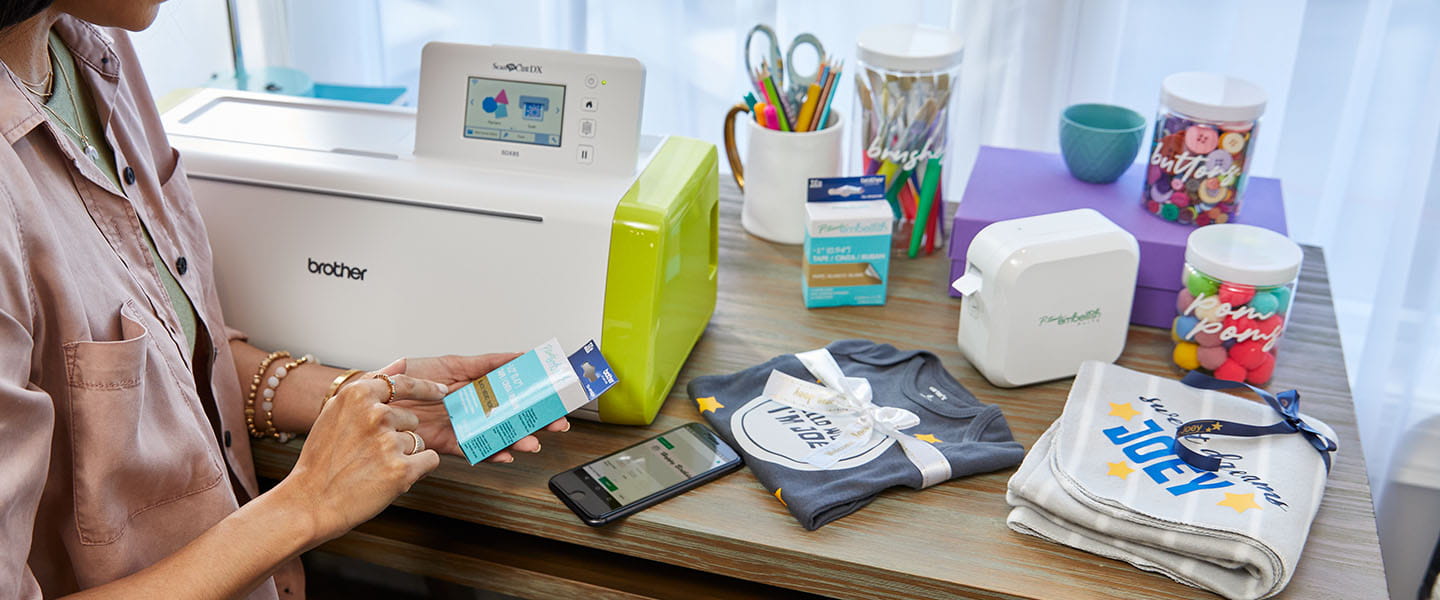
(1239, 282)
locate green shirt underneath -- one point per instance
(80, 114)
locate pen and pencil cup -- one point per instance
(1100, 141)
(906, 78)
(773, 175)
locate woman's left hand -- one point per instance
(455, 372)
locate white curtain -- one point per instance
(1351, 127)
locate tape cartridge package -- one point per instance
(525, 394)
(847, 241)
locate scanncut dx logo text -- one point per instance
(512, 67)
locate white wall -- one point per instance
(188, 46)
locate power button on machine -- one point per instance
(591, 81)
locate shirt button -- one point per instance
(181, 265)
(227, 438)
(104, 60)
(129, 176)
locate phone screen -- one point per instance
(642, 470)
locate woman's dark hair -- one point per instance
(16, 11)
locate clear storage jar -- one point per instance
(906, 79)
(1201, 147)
(1238, 285)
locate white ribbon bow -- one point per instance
(851, 396)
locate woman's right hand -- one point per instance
(356, 458)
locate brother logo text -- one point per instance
(335, 269)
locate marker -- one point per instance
(927, 198)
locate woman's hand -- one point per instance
(358, 457)
(455, 372)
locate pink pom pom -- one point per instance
(1211, 357)
(1183, 301)
(1206, 340)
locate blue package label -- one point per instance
(594, 372)
(846, 271)
(842, 189)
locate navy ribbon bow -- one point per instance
(1286, 403)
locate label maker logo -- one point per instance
(335, 269)
(514, 66)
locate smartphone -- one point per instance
(646, 474)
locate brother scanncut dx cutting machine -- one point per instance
(530, 207)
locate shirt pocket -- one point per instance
(137, 440)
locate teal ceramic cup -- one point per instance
(1099, 141)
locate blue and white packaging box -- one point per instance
(523, 395)
(848, 225)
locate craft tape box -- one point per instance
(1009, 184)
(523, 395)
(847, 242)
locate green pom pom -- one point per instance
(1200, 285)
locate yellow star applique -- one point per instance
(1239, 502)
(926, 437)
(708, 403)
(1120, 469)
(1122, 410)
(780, 498)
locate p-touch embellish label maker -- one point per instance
(518, 203)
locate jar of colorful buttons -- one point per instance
(1239, 281)
(1201, 147)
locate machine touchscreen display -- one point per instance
(514, 111)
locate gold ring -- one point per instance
(419, 443)
(388, 382)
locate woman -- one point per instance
(126, 405)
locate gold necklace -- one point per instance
(44, 89)
(90, 151)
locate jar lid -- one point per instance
(1213, 97)
(910, 48)
(1244, 254)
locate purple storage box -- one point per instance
(1009, 184)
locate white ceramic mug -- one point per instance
(774, 174)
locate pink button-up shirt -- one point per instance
(117, 447)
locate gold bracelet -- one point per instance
(334, 386)
(339, 381)
(272, 389)
(255, 388)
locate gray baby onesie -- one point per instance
(775, 438)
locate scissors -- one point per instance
(794, 90)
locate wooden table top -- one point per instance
(947, 541)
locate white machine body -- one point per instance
(1043, 294)
(330, 222)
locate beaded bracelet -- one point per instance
(255, 388)
(272, 384)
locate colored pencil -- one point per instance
(807, 110)
(777, 102)
(830, 96)
(759, 111)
